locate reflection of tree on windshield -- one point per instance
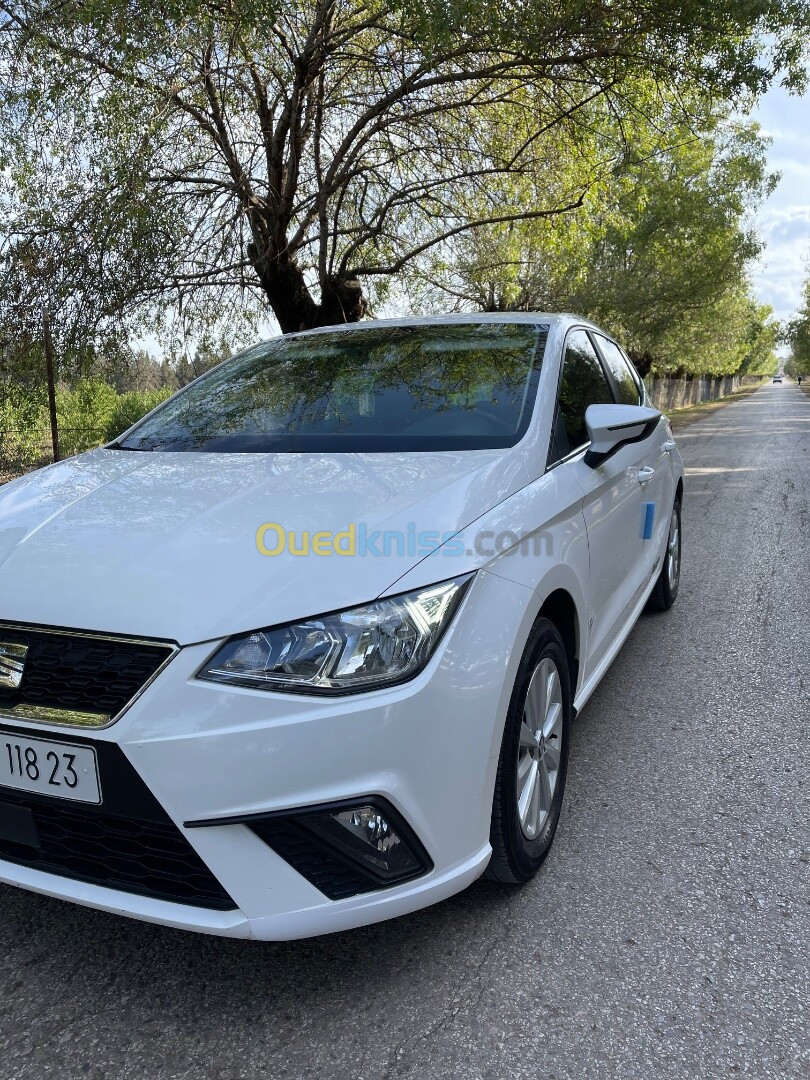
(468, 381)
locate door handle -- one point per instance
(669, 445)
(645, 475)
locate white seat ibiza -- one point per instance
(301, 650)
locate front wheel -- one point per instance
(666, 588)
(533, 759)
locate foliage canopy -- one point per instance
(309, 152)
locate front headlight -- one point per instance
(381, 643)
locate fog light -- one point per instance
(371, 838)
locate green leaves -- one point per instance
(217, 158)
(660, 249)
(130, 408)
(797, 335)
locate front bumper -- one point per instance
(429, 747)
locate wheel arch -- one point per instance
(560, 608)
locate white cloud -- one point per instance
(784, 220)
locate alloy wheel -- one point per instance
(539, 748)
(674, 550)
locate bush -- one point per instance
(89, 414)
(23, 428)
(83, 414)
(130, 408)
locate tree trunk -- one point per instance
(642, 361)
(342, 299)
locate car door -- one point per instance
(656, 477)
(612, 496)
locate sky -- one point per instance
(784, 220)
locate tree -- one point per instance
(208, 352)
(761, 339)
(660, 250)
(798, 336)
(312, 151)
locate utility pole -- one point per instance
(48, 341)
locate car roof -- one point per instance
(456, 319)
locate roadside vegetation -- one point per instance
(798, 338)
(101, 400)
(89, 413)
(175, 180)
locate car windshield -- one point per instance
(437, 387)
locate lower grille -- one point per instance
(128, 843)
(141, 857)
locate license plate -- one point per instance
(64, 770)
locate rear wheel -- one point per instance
(666, 588)
(533, 759)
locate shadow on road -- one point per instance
(104, 951)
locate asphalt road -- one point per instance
(667, 935)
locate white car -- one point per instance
(301, 650)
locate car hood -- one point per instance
(164, 545)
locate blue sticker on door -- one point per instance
(649, 518)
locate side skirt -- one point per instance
(592, 683)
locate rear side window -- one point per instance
(626, 385)
(583, 383)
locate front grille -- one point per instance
(128, 843)
(84, 674)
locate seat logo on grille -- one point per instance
(12, 663)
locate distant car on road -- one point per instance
(777, 378)
(300, 650)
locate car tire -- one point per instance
(666, 588)
(524, 822)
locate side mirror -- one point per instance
(611, 426)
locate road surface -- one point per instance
(668, 934)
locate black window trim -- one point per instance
(580, 450)
(595, 335)
(637, 379)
